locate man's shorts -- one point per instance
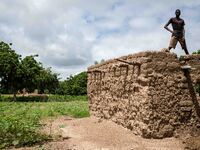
(174, 40)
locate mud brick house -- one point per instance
(147, 92)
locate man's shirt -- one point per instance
(178, 26)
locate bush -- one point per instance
(74, 85)
(38, 98)
(20, 122)
(44, 98)
(196, 52)
(17, 127)
(66, 98)
(5, 98)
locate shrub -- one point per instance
(17, 127)
(44, 98)
(38, 98)
(20, 122)
(196, 52)
(66, 98)
(74, 85)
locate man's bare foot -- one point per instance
(165, 50)
(187, 57)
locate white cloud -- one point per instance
(70, 35)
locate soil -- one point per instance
(94, 134)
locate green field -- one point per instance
(20, 122)
(42, 98)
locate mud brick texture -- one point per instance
(145, 92)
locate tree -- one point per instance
(9, 65)
(17, 73)
(47, 81)
(197, 52)
(79, 84)
(28, 72)
(61, 89)
(73, 85)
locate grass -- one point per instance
(66, 98)
(20, 121)
(42, 98)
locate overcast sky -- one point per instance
(69, 35)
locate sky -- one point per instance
(70, 35)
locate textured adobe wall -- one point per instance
(149, 96)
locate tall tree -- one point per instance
(17, 73)
(9, 65)
(29, 71)
(47, 80)
(73, 85)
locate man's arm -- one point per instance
(166, 26)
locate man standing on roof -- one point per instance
(178, 33)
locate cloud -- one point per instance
(70, 35)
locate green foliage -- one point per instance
(17, 127)
(38, 98)
(197, 52)
(20, 122)
(47, 81)
(74, 85)
(17, 73)
(6, 98)
(9, 65)
(44, 98)
(67, 98)
(29, 71)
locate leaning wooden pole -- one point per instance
(186, 70)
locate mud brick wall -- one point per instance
(149, 95)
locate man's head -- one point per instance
(177, 12)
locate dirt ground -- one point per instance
(93, 134)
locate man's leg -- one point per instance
(169, 48)
(183, 45)
(186, 51)
(172, 43)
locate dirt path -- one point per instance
(90, 134)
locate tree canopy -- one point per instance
(73, 85)
(17, 73)
(197, 52)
